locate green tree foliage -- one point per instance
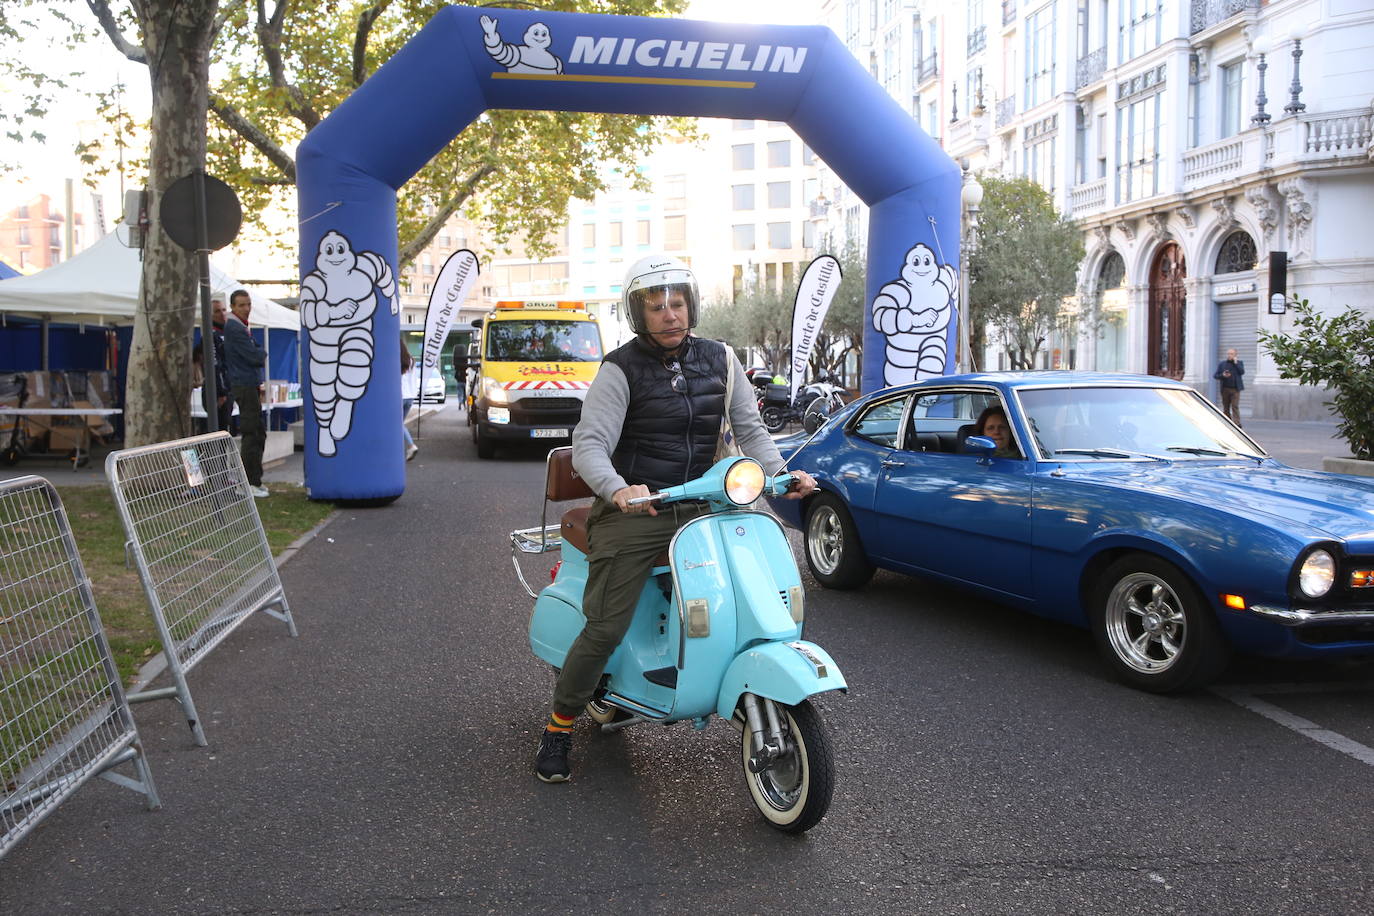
(1336, 351)
(286, 67)
(1025, 265)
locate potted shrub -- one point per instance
(1336, 351)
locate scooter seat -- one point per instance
(574, 531)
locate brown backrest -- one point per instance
(563, 482)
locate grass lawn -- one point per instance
(119, 598)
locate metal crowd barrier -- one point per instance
(194, 532)
(63, 714)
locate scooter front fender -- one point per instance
(785, 672)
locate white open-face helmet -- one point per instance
(657, 272)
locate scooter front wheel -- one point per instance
(793, 792)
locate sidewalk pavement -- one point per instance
(1299, 443)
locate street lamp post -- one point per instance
(1295, 103)
(1260, 47)
(971, 198)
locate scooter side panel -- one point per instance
(557, 616)
(786, 672)
(764, 570)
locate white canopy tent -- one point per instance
(100, 286)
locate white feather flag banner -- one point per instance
(817, 288)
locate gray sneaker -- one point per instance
(258, 492)
(551, 763)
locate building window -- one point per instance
(642, 232)
(1137, 156)
(674, 192)
(779, 194)
(808, 234)
(779, 235)
(617, 234)
(851, 23)
(742, 197)
(589, 235)
(779, 154)
(973, 89)
(1039, 56)
(742, 124)
(1232, 99)
(674, 233)
(891, 68)
(1039, 163)
(742, 156)
(808, 157)
(23, 235)
(933, 117)
(1237, 253)
(1141, 25)
(742, 237)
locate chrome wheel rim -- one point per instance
(825, 539)
(782, 783)
(1146, 625)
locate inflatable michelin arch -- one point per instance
(467, 60)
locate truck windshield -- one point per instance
(540, 340)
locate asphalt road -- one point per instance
(382, 761)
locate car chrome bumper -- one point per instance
(1298, 616)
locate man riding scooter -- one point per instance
(651, 419)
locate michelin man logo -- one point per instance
(531, 57)
(338, 300)
(913, 313)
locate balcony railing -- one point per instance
(1088, 197)
(1006, 110)
(1207, 13)
(1091, 68)
(1341, 133)
(928, 69)
(977, 40)
(1213, 163)
(1008, 12)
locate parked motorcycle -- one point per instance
(777, 407)
(718, 632)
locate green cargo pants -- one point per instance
(623, 547)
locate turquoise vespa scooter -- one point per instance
(717, 632)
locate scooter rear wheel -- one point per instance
(605, 713)
(793, 793)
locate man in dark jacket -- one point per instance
(1231, 373)
(244, 358)
(224, 406)
(628, 443)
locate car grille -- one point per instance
(540, 405)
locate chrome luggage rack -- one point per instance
(539, 539)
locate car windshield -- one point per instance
(543, 340)
(1123, 423)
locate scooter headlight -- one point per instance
(744, 481)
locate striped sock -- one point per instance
(558, 723)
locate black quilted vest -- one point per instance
(669, 437)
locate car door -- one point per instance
(870, 440)
(958, 515)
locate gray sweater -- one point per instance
(603, 416)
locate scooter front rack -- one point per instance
(539, 539)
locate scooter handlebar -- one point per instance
(641, 500)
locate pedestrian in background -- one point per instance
(224, 407)
(244, 360)
(410, 389)
(1231, 373)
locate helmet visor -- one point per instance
(661, 292)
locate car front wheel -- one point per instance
(833, 551)
(1154, 628)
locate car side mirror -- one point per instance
(981, 445)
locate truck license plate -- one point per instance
(548, 433)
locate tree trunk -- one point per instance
(158, 395)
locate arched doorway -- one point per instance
(1168, 301)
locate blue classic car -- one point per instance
(1127, 504)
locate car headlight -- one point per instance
(494, 391)
(744, 482)
(1317, 574)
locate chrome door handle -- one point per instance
(889, 463)
(850, 475)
